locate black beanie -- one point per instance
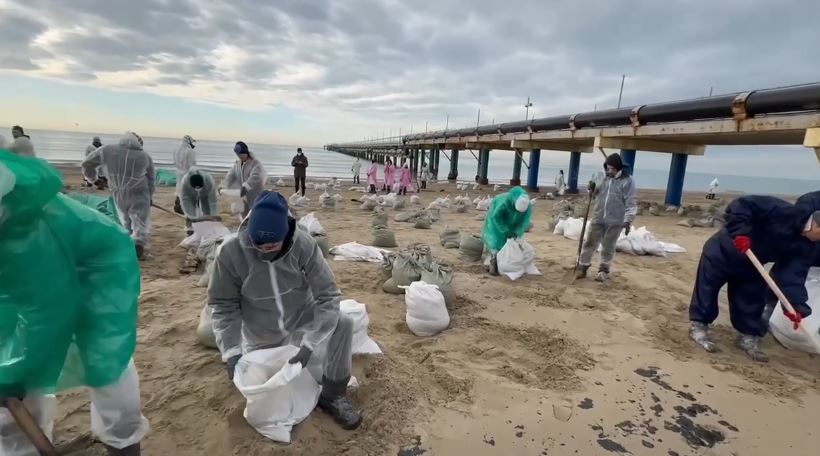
(614, 161)
(196, 181)
(241, 148)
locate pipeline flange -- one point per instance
(739, 105)
(634, 116)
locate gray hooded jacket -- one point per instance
(616, 200)
(192, 199)
(258, 304)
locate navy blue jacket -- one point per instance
(776, 230)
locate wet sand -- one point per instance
(533, 367)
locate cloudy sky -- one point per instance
(316, 71)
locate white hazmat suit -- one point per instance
(130, 173)
(184, 159)
(249, 174)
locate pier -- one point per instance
(777, 116)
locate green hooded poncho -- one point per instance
(503, 221)
(69, 286)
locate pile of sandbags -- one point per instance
(423, 223)
(470, 247)
(483, 204)
(369, 203)
(450, 238)
(406, 266)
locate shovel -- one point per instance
(167, 211)
(784, 301)
(581, 239)
(29, 426)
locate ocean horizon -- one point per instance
(62, 147)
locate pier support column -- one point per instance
(453, 176)
(628, 157)
(434, 159)
(677, 173)
(574, 170)
(532, 177)
(483, 166)
(516, 175)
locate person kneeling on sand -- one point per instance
(776, 231)
(616, 205)
(508, 218)
(68, 309)
(271, 287)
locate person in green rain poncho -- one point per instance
(508, 218)
(69, 288)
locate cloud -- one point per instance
(375, 64)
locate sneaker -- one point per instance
(602, 276)
(342, 411)
(581, 273)
(699, 332)
(751, 345)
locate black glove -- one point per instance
(627, 228)
(231, 365)
(302, 357)
(591, 186)
(243, 191)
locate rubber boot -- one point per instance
(133, 450)
(335, 402)
(581, 273)
(751, 345)
(493, 269)
(699, 332)
(140, 249)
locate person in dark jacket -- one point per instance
(616, 204)
(775, 231)
(300, 164)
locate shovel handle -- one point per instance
(29, 426)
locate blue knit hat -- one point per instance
(241, 148)
(268, 222)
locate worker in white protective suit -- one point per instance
(272, 287)
(713, 188)
(198, 198)
(247, 174)
(130, 173)
(184, 159)
(22, 142)
(560, 183)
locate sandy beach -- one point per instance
(532, 367)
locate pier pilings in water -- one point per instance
(453, 175)
(532, 176)
(483, 166)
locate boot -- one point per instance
(140, 249)
(751, 345)
(699, 332)
(581, 273)
(334, 401)
(133, 450)
(603, 274)
(178, 206)
(493, 268)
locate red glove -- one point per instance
(743, 244)
(795, 318)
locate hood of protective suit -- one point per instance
(805, 207)
(32, 186)
(131, 141)
(504, 221)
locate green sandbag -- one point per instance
(103, 205)
(80, 329)
(166, 177)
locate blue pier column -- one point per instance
(516, 175)
(574, 170)
(677, 173)
(483, 166)
(532, 177)
(628, 157)
(453, 176)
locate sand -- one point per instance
(534, 367)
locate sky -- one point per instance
(318, 71)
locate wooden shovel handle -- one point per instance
(29, 426)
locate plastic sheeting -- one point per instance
(797, 339)
(105, 206)
(80, 329)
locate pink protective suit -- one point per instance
(406, 177)
(372, 174)
(389, 175)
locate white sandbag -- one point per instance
(484, 205)
(205, 329)
(338, 198)
(206, 234)
(450, 238)
(362, 343)
(783, 329)
(415, 199)
(292, 199)
(669, 247)
(230, 192)
(426, 311)
(572, 228)
(279, 395)
(353, 251)
(237, 207)
(441, 275)
(302, 201)
(640, 242)
(280, 182)
(559, 227)
(384, 237)
(368, 205)
(311, 224)
(398, 203)
(405, 271)
(516, 259)
(433, 205)
(356, 189)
